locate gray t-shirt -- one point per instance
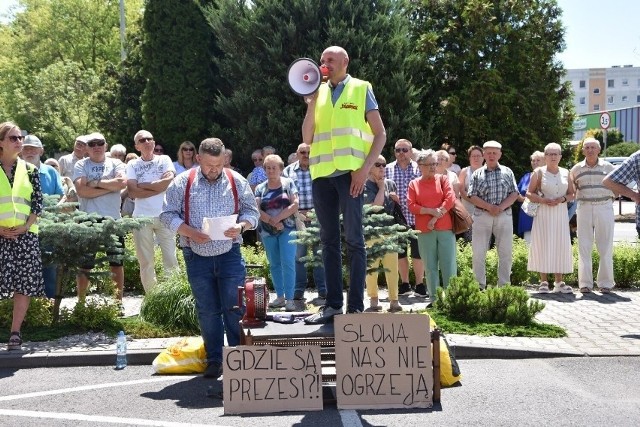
(107, 204)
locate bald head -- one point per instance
(336, 60)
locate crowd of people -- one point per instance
(336, 170)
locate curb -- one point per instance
(464, 352)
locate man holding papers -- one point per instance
(215, 268)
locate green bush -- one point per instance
(38, 314)
(96, 314)
(171, 305)
(465, 301)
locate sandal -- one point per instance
(585, 290)
(15, 341)
(605, 290)
(544, 287)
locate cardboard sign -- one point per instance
(259, 379)
(383, 361)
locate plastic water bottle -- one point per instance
(121, 351)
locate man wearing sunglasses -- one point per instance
(402, 171)
(99, 180)
(148, 177)
(346, 134)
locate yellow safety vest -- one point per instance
(342, 137)
(15, 203)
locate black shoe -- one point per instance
(405, 289)
(353, 311)
(421, 291)
(214, 370)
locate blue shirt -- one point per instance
(371, 103)
(208, 200)
(627, 172)
(50, 181)
(302, 180)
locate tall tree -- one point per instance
(54, 50)
(177, 52)
(493, 74)
(260, 39)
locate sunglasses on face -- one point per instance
(97, 142)
(16, 138)
(452, 153)
(379, 165)
(158, 150)
(143, 140)
(402, 150)
(187, 149)
(256, 160)
(306, 153)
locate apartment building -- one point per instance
(615, 90)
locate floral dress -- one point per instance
(20, 260)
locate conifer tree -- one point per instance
(177, 53)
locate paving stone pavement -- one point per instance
(597, 325)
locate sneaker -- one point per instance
(320, 300)
(295, 305)
(543, 288)
(214, 370)
(421, 291)
(277, 303)
(562, 288)
(324, 315)
(404, 289)
(353, 311)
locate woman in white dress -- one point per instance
(550, 249)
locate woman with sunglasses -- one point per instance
(379, 191)
(20, 261)
(186, 157)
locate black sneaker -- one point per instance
(214, 370)
(324, 315)
(353, 311)
(421, 291)
(405, 289)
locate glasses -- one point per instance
(143, 140)
(433, 164)
(379, 165)
(16, 138)
(96, 142)
(158, 150)
(452, 153)
(255, 159)
(188, 149)
(552, 154)
(306, 153)
(403, 150)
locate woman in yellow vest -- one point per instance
(20, 205)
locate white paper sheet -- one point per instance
(215, 227)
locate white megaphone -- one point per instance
(305, 76)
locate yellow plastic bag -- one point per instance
(449, 369)
(186, 356)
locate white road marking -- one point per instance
(350, 418)
(96, 418)
(86, 387)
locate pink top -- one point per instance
(433, 193)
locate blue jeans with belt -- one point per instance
(330, 198)
(214, 281)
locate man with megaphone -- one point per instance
(346, 134)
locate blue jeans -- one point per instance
(214, 281)
(281, 254)
(301, 274)
(49, 274)
(326, 192)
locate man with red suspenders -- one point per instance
(215, 268)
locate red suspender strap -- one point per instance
(233, 188)
(192, 176)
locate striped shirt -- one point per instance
(588, 182)
(302, 179)
(208, 200)
(492, 186)
(402, 178)
(627, 172)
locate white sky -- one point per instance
(599, 33)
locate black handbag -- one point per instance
(398, 216)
